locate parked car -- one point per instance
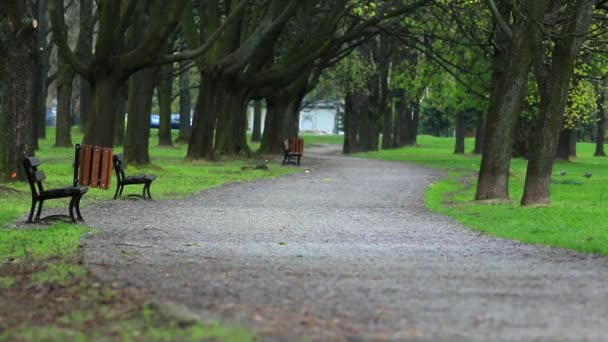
(155, 121)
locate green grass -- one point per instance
(47, 256)
(575, 220)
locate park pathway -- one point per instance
(346, 251)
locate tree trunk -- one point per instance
(511, 65)
(119, 127)
(601, 124)
(84, 52)
(460, 132)
(43, 54)
(274, 126)
(479, 134)
(399, 127)
(412, 137)
(141, 90)
(256, 134)
(164, 90)
(553, 100)
(203, 127)
(563, 145)
(350, 144)
(185, 104)
(231, 134)
(64, 81)
(17, 37)
(100, 129)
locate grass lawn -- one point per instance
(47, 294)
(575, 220)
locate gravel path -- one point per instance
(346, 251)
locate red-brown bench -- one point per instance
(293, 149)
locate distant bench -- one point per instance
(119, 168)
(293, 148)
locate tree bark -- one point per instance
(40, 89)
(563, 145)
(141, 90)
(164, 90)
(554, 91)
(200, 145)
(274, 126)
(231, 133)
(17, 37)
(511, 65)
(350, 144)
(64, 81)
(256, 134)
(479, 134)
(84, 52)
(459, 133)
(185, 104)
(119, 125)
(601, 123)
(100, 129)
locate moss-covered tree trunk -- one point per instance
(17, 37)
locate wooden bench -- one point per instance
(119, 168)
(39, 194)
(293, 148)
(93, 166)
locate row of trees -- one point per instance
(389, 61)
(523, 72)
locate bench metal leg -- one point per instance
(40, 203)
(78, 214)
(72, 204)
(147, 190)
(117, 188)
(31, 216)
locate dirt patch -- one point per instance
(80, 306)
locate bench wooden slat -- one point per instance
(95, 166)
(106, 168)
(86, 156)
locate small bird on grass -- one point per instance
(588, 175)
(563, 172)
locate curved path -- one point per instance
(346, 251)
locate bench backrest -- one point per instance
(34, 176)
(119, 166)
(296, 145)
(94, 166)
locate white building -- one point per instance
(319, 118)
